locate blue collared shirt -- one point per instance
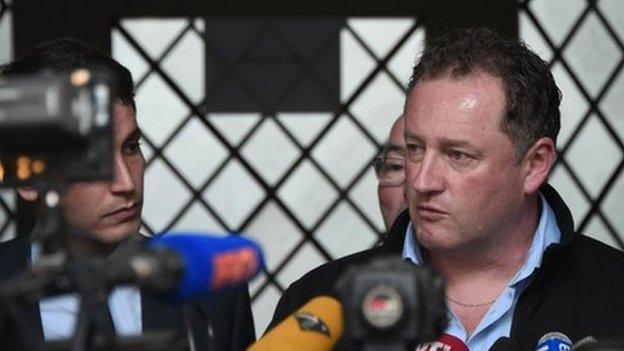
(497, 321)
(59, 313)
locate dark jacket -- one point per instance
(228, 314)
(579, 289)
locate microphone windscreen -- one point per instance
(591, 344)
(453, 342)
(554, 341)
(211, 263)
(584, 341)
(446, 342)
(316, 326)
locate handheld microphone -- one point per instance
(183, 266)
(588, 340)
(554, 341)
(504, 344)
(316, 326)
(446, 342)
(589, 343)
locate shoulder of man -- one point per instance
(577, 292)
(591, 253)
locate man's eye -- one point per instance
(132, 147)
(394, 167)
(415, 152)
(458, 155)
(413, 148)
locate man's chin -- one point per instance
(116, 234)
(435, 239)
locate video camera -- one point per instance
(390, 304)
(55, 127)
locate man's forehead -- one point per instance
(475, 80)
(124, 118)
(473, 99)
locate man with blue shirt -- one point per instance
(481, 123)
(110, 211)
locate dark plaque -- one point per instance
(269, 65)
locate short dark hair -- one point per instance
(67, 54)
(532, 97)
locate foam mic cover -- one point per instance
(590, 343)
(446, 342)
(554, 341)
(504, 344)
(588, 340)
(208, 263)
(316, 326)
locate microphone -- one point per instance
(446, 342)
(588, 340)
(184, 266)
(316, 326)
(589, 343)
(504, 344)
(554, 341)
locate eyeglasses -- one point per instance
(390, 171)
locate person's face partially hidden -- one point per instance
(392, 197)
(464, 185)
(111, 210)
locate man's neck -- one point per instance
(499, 256)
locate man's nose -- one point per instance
(122, 180)
(429, 175)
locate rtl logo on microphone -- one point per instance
(433, 346)
(231, 268)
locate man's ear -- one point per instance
(28, 193)
(537, 163)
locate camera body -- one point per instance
(56, 126)
(392, 303)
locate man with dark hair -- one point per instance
(110, 211)
(481, 122)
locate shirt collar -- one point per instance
(547, 233)
(411, 249)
